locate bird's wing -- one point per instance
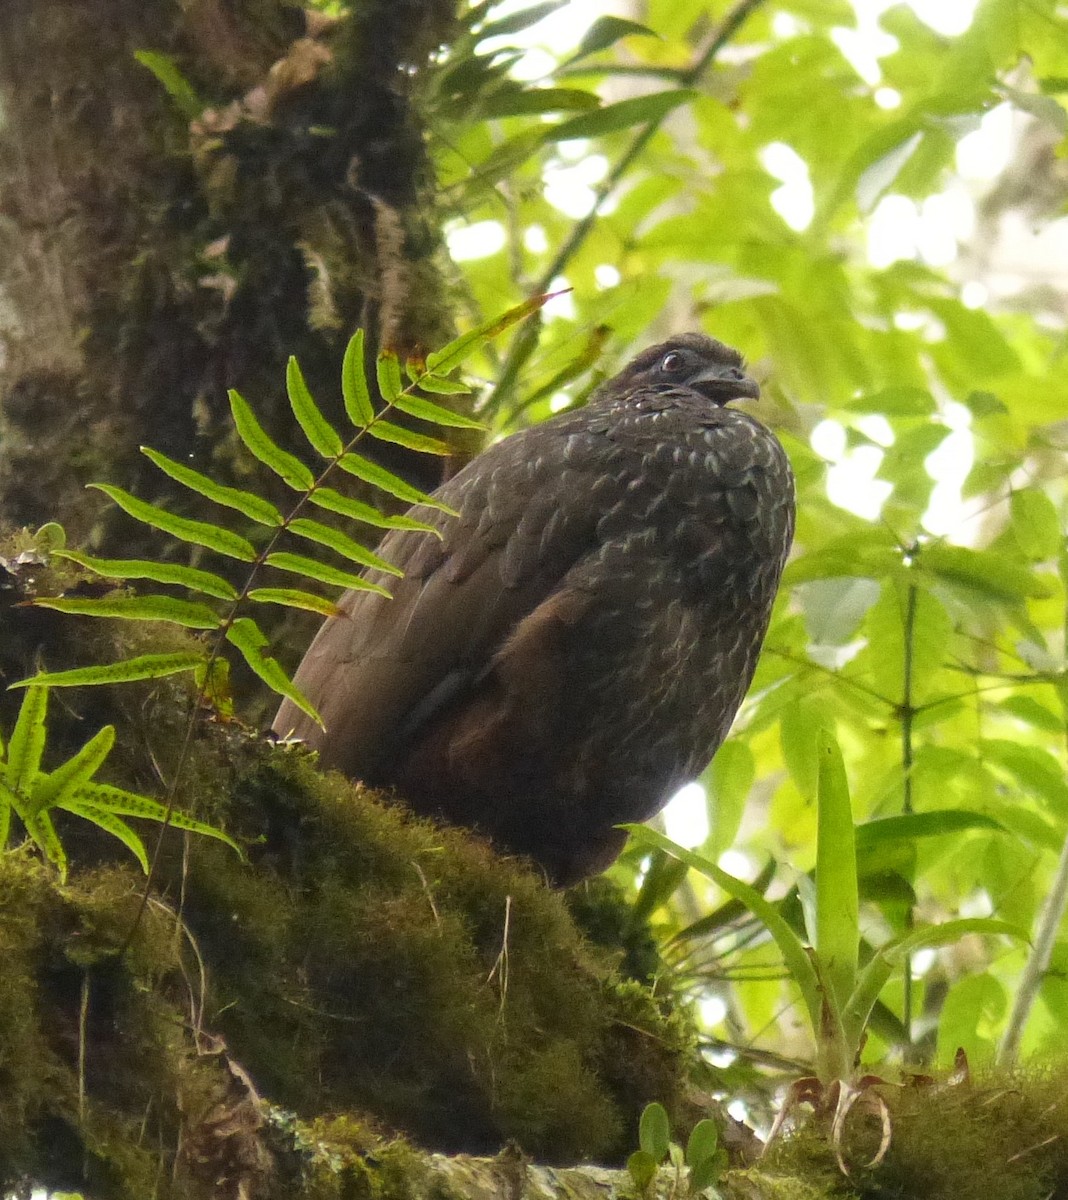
(380, 670)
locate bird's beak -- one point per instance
(720, 384)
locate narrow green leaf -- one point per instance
(5, 815)
(837, 902)
(789, 944)
(359, 511)
(43, 834)
(247, 637)
(606, 31)
(27, 742)
(624, 114)
(187, 530)
(285, 465)
(311, 568)
(908, 827)
(130, 804)
(451, 355)
(354, 388)
(52, 788)
(158, 572)
(254, 507)
(292, 598)
(513, 22)
(112, 824)
(654, 1131)
(369, 472)
(988, 571)
(317, 429)
(387, 369)
(144, 666)
(137, 608)
(426, 410)
(443, 387)
(875, 975)
(174, 83)
(313, 531)
(386, 431)
(516, 101)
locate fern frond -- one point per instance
(200, 533)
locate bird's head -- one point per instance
(690, 360)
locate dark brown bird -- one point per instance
(574, 648)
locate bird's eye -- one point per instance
(671, 363)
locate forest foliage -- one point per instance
(775, 173)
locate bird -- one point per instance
(573, 646)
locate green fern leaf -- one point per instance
(247, 637)
(357, 510)
(137, 608)
(387, 369)
(386, 431)
(354, 383)
(112, 824)
(27, 742)
(292, 598)
(137, 568)
(5, 815)
(426, 410)
(379, 477)
(254, 507)
(183, 528)
(442, 361)
(444, 387)
(43, 834)
(317, 429)
(54, 787)
(285, 465)
(144, 666)
(130, 804)
(313, 531)
(299, 564)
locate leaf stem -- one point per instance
(908, 714)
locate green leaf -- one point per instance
(144, 666)
(317, 429)
(247, 637)
(837, 903)
(702, 1143)
(444, 387)
(708, 1170)
(136, 568)
(27, 742)
(311, 568)
(986, 571)
(285, 465)
(359, 511)
(292, 598)
(386, 431)
(388, 372)
(654, 1131)
(200, 533)
(451, 355)
(112, 824)
(1036, 525)
(354, 389)
(43, 834)
(52, 788)
(426, 410)
(369, 472)
(137, 608)
(514, 22)
(180, 90)
(130, 804)
(313, 531)
(789, 944)
(624, 114)
(908, 827)
(641, 1166)
(515, 101)
(606, 31)
(875, 975)
(254, 507)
